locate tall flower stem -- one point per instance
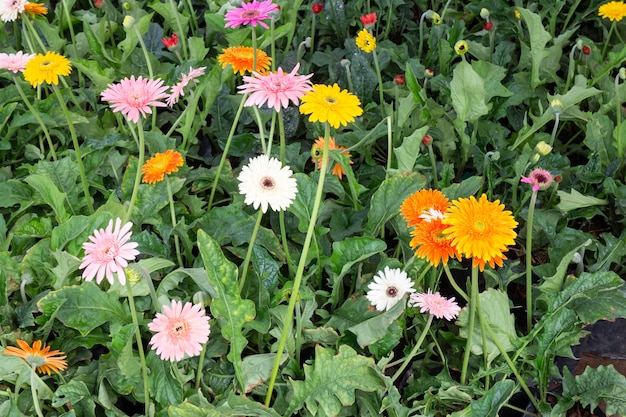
(608, 38)
(142, 152)
(254, 48)
(142, 356)
(37, 117)
(557, 115)
(225, 152)
(246, 262)
(529, 265)
(313, 20)
(456, 286)
(380, 84)
(472, 318)
(79, 157)
(433, 163)
(68, 17)
(418, 344)
(33, 389)
(618, 117)
(173, 218)
(183, 35)
(281, 214)
(295, 295)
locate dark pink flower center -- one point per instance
(268, 183)
(392, 291)
(249, 14)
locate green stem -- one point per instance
(173, 218)
(148, 63)
(37, 117)
(254, 48)
(456, 286)
(34, 34)
(300, 271)
(529, 265)
(142, 151)
(409, 357)
(472, 317)
(142, 356)
(608, 39)
(380, 84)
(618, 118)
(570, 68)
(246, 261)
(313, 33)
(259, 121)
(66, 12)
(389, 146)
(433, 163)
(79, 157)
(283, 236)
(183, 35)
(225, 152)
(33, 390)
(555, 127)
(281, 214)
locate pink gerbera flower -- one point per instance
(14, 62)
(539, 178)
(435, 304)
(134, 96)
(178, 89)
(10, 9)
(108, 252)
(250, 14)
(182, 329)
(277, 89)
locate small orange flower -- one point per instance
(35, 9)
(160, 164)
(317, 155)
(420, 203)
(431, 243)
(241, 58)
(43, 360)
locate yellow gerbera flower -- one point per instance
(42, 359)
(35, 9)
(365, 41)
(338, 170)
(242, 57)
(480, 229)
(155, 168)
(613, 10)
(330, 104)
(422, 202)
(46, 68)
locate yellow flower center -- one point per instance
(46, 63)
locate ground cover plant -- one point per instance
(339, 208)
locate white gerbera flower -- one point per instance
(9, 9)
(264, 182)
(389, 286)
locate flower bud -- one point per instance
(461, 47)
(317, 8)
(586, 50)
(129, 22)
(484, 13)
(622, 73)
(126, 5)
(429, 73)
(556, 105)
(488, 26)
(542, 148)
(399, 79)
(427, 140)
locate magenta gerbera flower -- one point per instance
(109, 252)
(14, 62)
(277, 88)
(178, 89)
(135, 96)
(250, 14)
(539, 178)
(435, 304)
(180, 330)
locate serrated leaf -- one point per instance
(467, 90)
(586, 286)
(257, 369)
(77, 394)
(243, 406)
(603, 383)
(332, 380)
(352, 250)
(387, 199)
(228, 308)
(539, 37)
(164, 387)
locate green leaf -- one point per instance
(603, 383)
(228, 308)
(539, 37)
(468, 93)
(77, 394)
(302, 206)
(409, 150)
(464, 189)
(496, 312)
(492, 75)
(331, 381)
(13, 192)
(257, 369)
(386, 201)
(243, 406)
(85, 307)
(352, 250)
(493, 400)
(574, 200)
(165, 388)
(374, 329)
(50, 195)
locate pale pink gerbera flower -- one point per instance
(134, 96)
(250, 14)
(178, 89)
(277, 89)
(14, 62)
(182, 329)
(109, 252)
(435, 304)
(10, 9)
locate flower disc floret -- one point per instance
(135, 97)
(46, 68)
(389, 287)
(252, 13)
(265, 183)
(330, 104)
(480, 229)
(108, 253)
(613, 10)
(276, 89)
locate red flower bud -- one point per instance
(170, 42)
(98, 3)
(317, 8)
(558, 178)
(488, 26)
(427, 140)
(399, 79)
(368, 19)
(586, 50)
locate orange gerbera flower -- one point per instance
(420, 203)
(35, 9)
(480, 229)
(241, 58)
(43, 360)
(160, 164)
(431, 243)
(318, 146)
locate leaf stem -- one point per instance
(418, 344)
(472, 317)
(142, 356)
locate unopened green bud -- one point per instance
(129, 22)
